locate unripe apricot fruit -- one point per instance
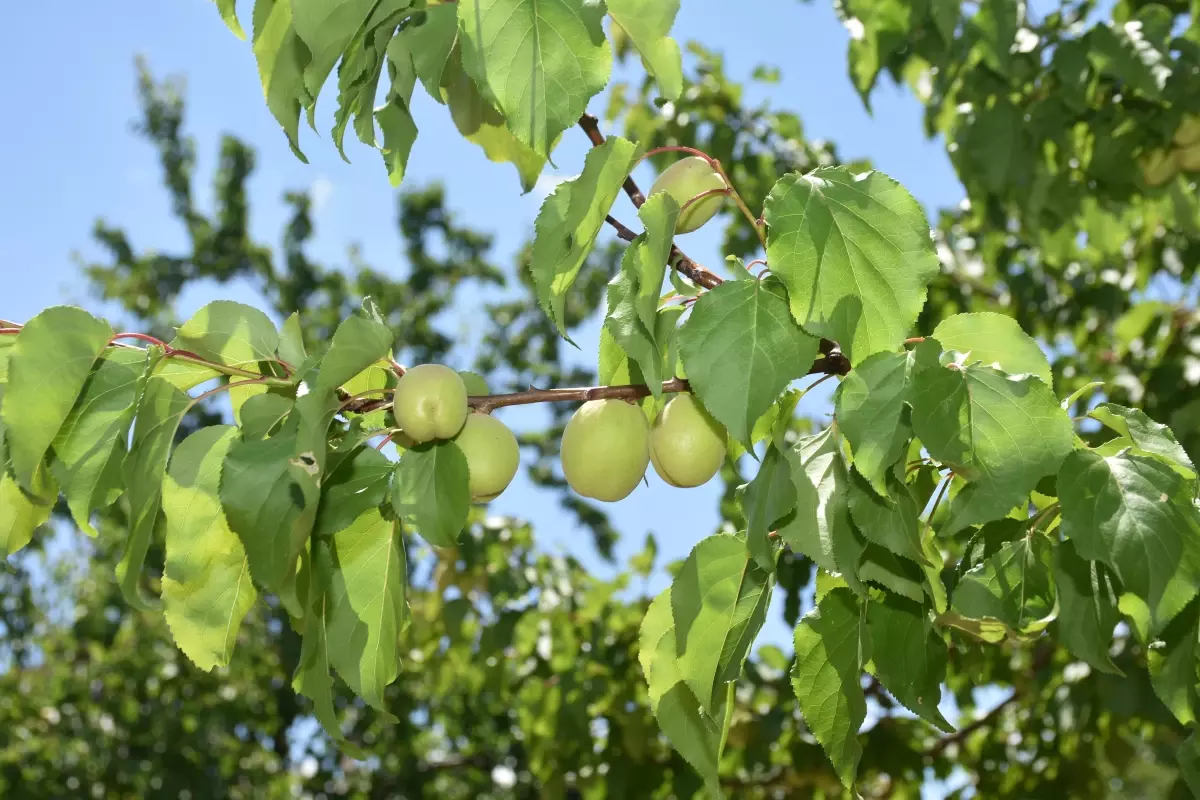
(688, 178)
(606, 449)
(492, 455)
(687, 446)
(1188, 132)
(430, 403)
(1158, 167)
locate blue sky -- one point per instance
(70, 157)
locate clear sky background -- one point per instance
(68, 156)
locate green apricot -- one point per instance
(687, 446)
(1188, 132)
(688, 178)
(430, 403)
(492, 455)
(1158, 167)
(475, 383)
(1188, 158)
(606, 449)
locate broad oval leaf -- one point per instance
(542, 60)
(206, 586)
(48, 366)
(869, 406)
(430, 491)
(909, 656)
(648, 23)
(995, 340)
(855, 254)
(229, 333)
(1148, 436)
(1087, 607)
(741, 348)
(1011, 591)
(765, 500)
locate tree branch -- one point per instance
(834, 362)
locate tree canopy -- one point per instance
(993, 510)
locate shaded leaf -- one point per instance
(1013, 587)
(909, 656)
(1087, 607)
(430, 491)
(869, 405)
(765, 500)
(282, 59)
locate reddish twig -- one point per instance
(142, 337)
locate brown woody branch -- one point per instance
(833, 363)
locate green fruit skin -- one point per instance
(1158, 167)
(492, 455)
(687, 446)
(1189, 157)
(430, 403)
(476, 385)
(606, 449)
(685, 179)
(1188, 132)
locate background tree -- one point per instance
(564, 718)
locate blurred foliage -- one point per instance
(521, 678)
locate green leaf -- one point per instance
(999, 432)
(159, 412)
(765, 500)
(430, 491)
(1149, 437)
(1134, 515)
(21, 513)
(855, 254)
(571, 217)
(832, 646)
(822, 515)
(1122, 51)
(184, 373)
(894, 524)
(995, 25)
(291, 342)
(719, 601)
(361, 69)
(48, 366)
(869, 407)
(326, 27)
(1087, 607)
(741, 348)
(261, 413)
(897, 575)
(1013, 587)
(282, 59)
(1188, 757)
(995, 340)
(542, 60)
(229, 333)
(1172, 666)
(312, 678)
(633, 294)
(359, 483)
(367, 607)
(909, 656)
(399, 134)
(93, 436)
(695, 734)
(228, 11)
(648, 23)
(206, 586)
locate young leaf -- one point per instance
(541, 61)
(1087, 607)
(430, 491)
(93, 436)
(855, 254)
(229, 333)
(909, 656)
(995, 340)
(570, 219)
(48, 366)
(1013, 587)
(633, 293)
(832, 646)
(1135, 515)
(367, 608)
(719, 601)
(282, 59)
(206, 586)
(1148, 436)
(160, 409)
(695, 734)
(228, 11)
(999, 432)
(648, 23)
(765, 500)
(741, 348)
(869, 406)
